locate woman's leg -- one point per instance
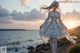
(53, 43)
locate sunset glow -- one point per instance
(70, 24)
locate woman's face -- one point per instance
(55, 6)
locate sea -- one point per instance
(20, 39)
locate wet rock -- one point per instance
(31, 51)
(45, 48)
(30, 48)
(16, 50)
(60, 43)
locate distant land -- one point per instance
(12, 30)
(70, 30)
(18, 30)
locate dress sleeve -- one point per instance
(49, 16)
(47, 19)
(59, 19)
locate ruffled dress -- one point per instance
(54, 28)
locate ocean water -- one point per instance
(20, 38)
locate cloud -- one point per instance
(74, 15)
(3, 12)
(27, 16)
(6, 17)
(5, 20)
(17, 15)
(33, 15)
(24, 2)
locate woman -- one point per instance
(53, 27)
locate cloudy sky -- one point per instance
(26, 14)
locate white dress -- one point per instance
(54, 28)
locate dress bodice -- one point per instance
(54, 15)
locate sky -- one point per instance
(26, 14)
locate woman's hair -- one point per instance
(54, 4)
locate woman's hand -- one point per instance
(40, 27)
(47, 18)
(65, 27)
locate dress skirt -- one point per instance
(51, 29)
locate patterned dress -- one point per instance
(54, 28)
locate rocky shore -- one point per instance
(45, 48)
(63, 44)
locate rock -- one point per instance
(38, 46)
(45, 48)
(30, 48)
(31, 51)
(60, 43)
(16, 50)
(24, 47)
(48, 51)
